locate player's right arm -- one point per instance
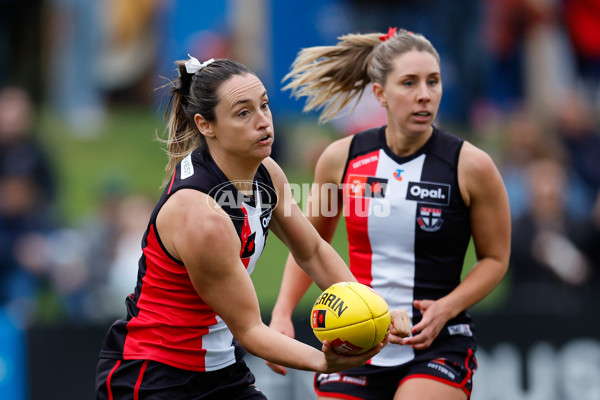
(192, 228)
(328, 174)
(295, 282)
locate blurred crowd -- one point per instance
(527, 91)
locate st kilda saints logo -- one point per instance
(430, 219)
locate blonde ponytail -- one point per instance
(330, 77)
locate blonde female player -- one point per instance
(194, 303)
(413, 196)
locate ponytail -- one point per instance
(330, 77)
(183, 136)
(193, 93)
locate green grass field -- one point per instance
(125, 154)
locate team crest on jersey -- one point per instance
(367, 186)
(430, 219)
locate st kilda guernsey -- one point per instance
(408, 227)
(167, 321)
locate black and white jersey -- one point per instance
(408, 227)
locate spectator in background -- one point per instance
(582, 19)
(21, 44)
(131, 219)
(579, 133)
(130, 37)
(521, 42)
(22, 263)
(74, 41)
(20, 153)
(26, 198)
(524, 140)
(550, 272)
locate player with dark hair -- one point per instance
(194, 306)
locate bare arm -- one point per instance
(484, 193)
(307, 238)
(192, 226)
(324, 193)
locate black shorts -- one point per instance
(145, 379)
(450, 360)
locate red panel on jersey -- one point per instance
(168, 305)
(247, 247)
(356, 209)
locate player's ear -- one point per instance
(379, 94)
(203, 125)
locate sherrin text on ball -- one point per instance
(351, 316)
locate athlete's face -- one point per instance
(243, 125)
(412, 92)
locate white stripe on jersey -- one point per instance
(220, 353)
(392, 240)
(255, 222)
(217, 343)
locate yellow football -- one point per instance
(351, 316)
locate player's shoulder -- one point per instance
(188, 204)
(337, 149)
(331, 163)
(274, 169)
(475, 160)
(277, 175)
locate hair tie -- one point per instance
(391, 32)
(193, 65)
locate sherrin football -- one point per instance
(351, 316)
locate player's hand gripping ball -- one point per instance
(351, 316)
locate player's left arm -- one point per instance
(484, 193)
(318, 259)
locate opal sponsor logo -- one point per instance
(429, 193)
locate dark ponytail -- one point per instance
(192, 94)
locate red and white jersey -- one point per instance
(167, 320)
(408, 227)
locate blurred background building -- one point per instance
(80, 168)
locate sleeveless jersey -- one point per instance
(167, 321)
(408, 227)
